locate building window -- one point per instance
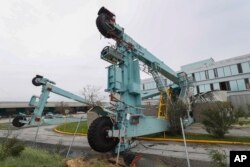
(239, 68)
(215, 73)
(211, 74)
(212, 87)
(193, 76)
(202, 75)
(234, 69)
(190, 77)
(206, 74)
(220, 72)
(150, 85)
(197, 76)
(216, 86)
(197, 88)
(143, 86)
(241, 84)
(247, 83)
(207, 87)
(227, 71)
(202, 88)
(245, 67)
(224, 85)
(233, 85)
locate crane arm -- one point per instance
(49, 86)
(107, 26)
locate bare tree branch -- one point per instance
(92, 95)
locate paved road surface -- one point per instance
(170, 149)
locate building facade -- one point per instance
(13, 108)
(231, 75)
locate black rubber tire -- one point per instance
(97, 135)
(16, 122)
(34, 80)
(101, 22)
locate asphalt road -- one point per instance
(169, 149)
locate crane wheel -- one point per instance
(102, 23)
(98, 136)
(16, 122)
(35, 81)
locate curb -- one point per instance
(68, 133)
(172, 140)
(195, 141)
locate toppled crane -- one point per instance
(116, 132)
(116, 128)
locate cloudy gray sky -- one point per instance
(59, 39)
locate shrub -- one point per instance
(33, 157)
(11, 147)
(219, 117)
(239, 112)
(218, 159)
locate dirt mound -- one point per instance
(109, 161)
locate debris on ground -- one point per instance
(107, 161)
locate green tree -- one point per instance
(219, 118)
(177, 110)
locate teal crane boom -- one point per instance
(40, 102)
(106, 134)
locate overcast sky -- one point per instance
(59, 39)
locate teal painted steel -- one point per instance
(114, 78)
(147, 125)
(39, 107)
(124, 80)
(40, 102)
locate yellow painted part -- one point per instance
(165, 139)
(194, 141)
(68, 133)
(161, 107)
(173, 140)
(164, 105)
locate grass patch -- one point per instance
(6, 126)
(71, 127)
(209, 137)
(244, 122)
(31, 157)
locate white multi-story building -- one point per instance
(232, 75)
